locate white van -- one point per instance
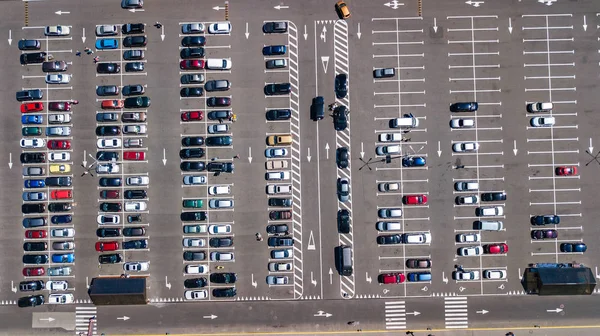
(277, 175)
(488, 225)
(404, 122)
(389, 226)
(279, 189)
(218, 64)
(219, 190)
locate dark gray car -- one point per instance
(217, 85)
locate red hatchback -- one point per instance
(137, 156)
(107, 246)
(496, 248)
(36, 234)
(110, 194)
(112, 104)
(61, 194)
(33, 271)
(566, 170)
(59, 144)
(391, 278)
(32, 107)
(191, 64)
(59, 106)
(414, 199)
(192, 116)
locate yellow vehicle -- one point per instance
(281, 139)
(342, 10)
(60, 168)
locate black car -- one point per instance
(191, 92)
(220, 140)
(282, 202)
(341, 157)
(63, 181)
(194, 255)
(112, 258)
(195, 283)
(390, 239)
(283, 114)
(221, 114)
(187, 53)
(493, 196)
(108, 232)
(135, 41)
(108, 68)
(545, 220)
(108, 130)
(135, 244)
(277, 27)
(544, 234)
(192, 141)
(110, 182)
(137, 102)
(191, 153)
(220, 167)
(192, 166)
(221, 242)
(31, 286)
(193, 41)
(193, 216)
(224, 292)
(107, 117)
(341, 85)
(277, 229)
(224, 278)
(107, 156)
(31, 301)
(27, 95)
(343, 221)
(33, 157)
(464, 107)
(134, 66)
(33, 58)
(33, 222)
(134, 218)
(217, 85)
(134, 231)
(133, 90)
(61, 219)
(133, 28)
(29, 44)
(280, 214)
(55, 66)
(135, 194)
(280, 241)
(277, 89)
(59, 207)
(218, 101)
(35, 246)
(340, 118)
(132, 55)
(110, 207)
(35, 259)
(192, 79)
(33, 208)
(107, 90)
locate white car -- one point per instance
(489, 211)
(107, 168)
(108, 219)
(468, 199)
(462, 123)
(494, 274)
(138, 180)
(277, 280)
(196, 294)
(389, 149)
(61, 298)
(470, 251)
(58, 131)
(135, 206)
(468, 237)
(277, 175)
(136, 266)
(66, 232)
(219, 28)
(539, 107)
(59, 156)
(222, 256)
(465, 275)
(109, 143)
(280, 267)
(388, 187)
(465, 147)
(543, 121)
(193, 28)
(273, 189)
(466, 186)
(193, 242)
(106, 30)
(57, 31)
(58, 79)
(218, 128)
(219, 190)
(390, 137)
(59, 118)
(194, 179)
(57, 285)
(196, 269)
(219, 229)
(416, 238)
(134, 129)
(33, 143)
(220, 203)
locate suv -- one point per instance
(33, 58)
(225, 167)
(133, 28)
(26, 95)
(276, 27)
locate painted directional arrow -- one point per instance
(212, 317)
(247, 33)
(254, 283)
(49, 319)
(557, 310)
(305, 33)
(510, 28)
(83, 36)
(358, 33)
(482, 312)
(330, 276)
(311, 242)
(515, 150)
(124, 318)
(325, 61)
(279, 7)
(308, 155)
(312, 279)
(249, 154)
(162, 34)
(435, 26)
(591, 148)
(10, 37)
(164, 160)
(327, 150)
(10, 163)
(415, 313)
(439, 151)
(61, 12)
(362, 150)
(218, 8)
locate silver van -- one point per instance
(389, 226)
(344, 258)
(488, 225)
(404, 122)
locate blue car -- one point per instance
(63, 258)
(274, 50)
(107, 44)
(573, 247)
(417, 276)
(413, 161)
(61, 219)
(32, 119)
(35, 184)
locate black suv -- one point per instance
(35, 259)
(135, 194)
(195, 283)
(33, 58)
(341, 157)
(31, 301)
(277, 27)
(35, 246)
(191, 153)
(29, 45)
(493, 196)
(277, 89)
(194, 255)
(112, 258)
(224, 278)
(192, 166)
(192, 141)
(193, 41)
(280, 241)
(284, 114)
(220, 242)
(464, 107)
(134, 231)
(341, 85)
(26, 95)
(282, 202)
(343, 221)
(33, 208)
(107, 130)
(108, 232)
(64, 181)
(188, 53)
(30, 286)
(135, 41)
(33, 157)
(193, 216)
(133, 28)
(277, 229)
(59, 207)
(110, 207)
(108, 68)
(110, 182)
(224, 292)
(225, 167)
(340, 118)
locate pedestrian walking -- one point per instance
(510, 333)
(220, 120)
(78, 53)
(96, 59)
(158, 25)
(236, 156)
(74, 102)
(259, 236)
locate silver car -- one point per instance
(194, 179)
(59, 271)
(192, 28)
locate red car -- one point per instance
(107, 246)
(110, 194)
(33, 271)
(191, 64)
(59, 106)
(32, 107)
(61, 194)
(566, 170)
(137, 156)
(391, 278)
(59, 144)
(36, 234)
(496, 248)
(414, 199)
(112, 104)
(192, 115)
